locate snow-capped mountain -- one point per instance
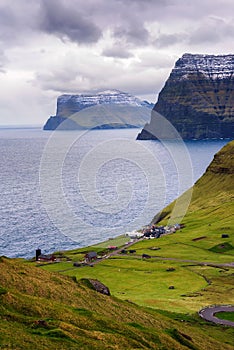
(197, 99)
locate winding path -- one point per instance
(208, 313)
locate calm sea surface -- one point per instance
(64, 190)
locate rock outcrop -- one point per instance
(99, 287)
(107, 109)
(197, 99)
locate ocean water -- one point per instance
(62, 190)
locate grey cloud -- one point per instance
(18, 22)
(3, 61)
(134, 34)
(166, 40)
(116, 51)
(213, 30)
(68, 23)
(2, 69)
(8, 22)
(144, 3)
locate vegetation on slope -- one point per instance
(41, 310)
(211, 207)
(47, 310)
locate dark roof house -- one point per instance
(44, 257)
(91, 256)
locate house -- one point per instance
(46, 258)
(90, 256)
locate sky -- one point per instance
(52, 47)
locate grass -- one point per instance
(41, 310)
(181, 246)
(147, 282)
(225, 316)
(49, 311)
(100, 248)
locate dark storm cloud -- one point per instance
(67, 22)
(83, 22)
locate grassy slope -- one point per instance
(78, 317)
(41, 310)
(211, 208)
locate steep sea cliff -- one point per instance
(197, 99)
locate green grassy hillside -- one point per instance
(42, 310)
(212, 204)
(53, 307)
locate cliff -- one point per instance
(107, 109)
(197, 99)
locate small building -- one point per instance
(134, 234)
(91, 256)
(46, 258)
(112, 247)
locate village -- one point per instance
(91, 257)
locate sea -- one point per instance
(61, 190)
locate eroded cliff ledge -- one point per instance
(197, 99)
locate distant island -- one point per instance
(104, 110)
(197, 99)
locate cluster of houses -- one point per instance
(150, 232)
(154, 231)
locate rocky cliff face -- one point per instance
(111, 108)
(197, 99)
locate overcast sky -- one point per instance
(50, 47)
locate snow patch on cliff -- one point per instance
(211, 66)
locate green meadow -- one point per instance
(147, 282)
(43, 310)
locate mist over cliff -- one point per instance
(197, 99)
